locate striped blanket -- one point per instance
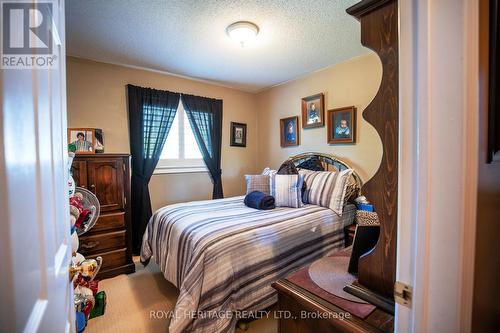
(223, 256)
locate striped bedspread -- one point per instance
(223, 256)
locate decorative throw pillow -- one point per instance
(352, 190)
(313, 163)
(326, 188)
(288, 168)
(286, 190)
(257, 183)
(268, 171)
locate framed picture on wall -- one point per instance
(313, 111)
(342, 125)
(238, 134)
(289, 131)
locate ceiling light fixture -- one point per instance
(242, 32)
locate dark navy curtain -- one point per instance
(205, 117)
(151, 113)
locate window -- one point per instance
(180, 152)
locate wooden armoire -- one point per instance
(108, 177)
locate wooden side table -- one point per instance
(349, 234)
(303, 312)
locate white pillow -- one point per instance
(287, 190)
(326, 188)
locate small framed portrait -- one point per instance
(342, 125)
(313, 111)
(83, 139)
(99, 140)
(289, 131)
(238, 134)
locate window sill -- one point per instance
(176, 170)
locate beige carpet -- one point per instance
(131, 298)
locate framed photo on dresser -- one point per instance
(86, 140)
(83, 139)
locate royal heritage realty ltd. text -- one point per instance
(277, 314)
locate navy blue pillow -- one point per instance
(313, 163)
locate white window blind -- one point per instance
(180, 152)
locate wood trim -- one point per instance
(379, 32)
(366, 7)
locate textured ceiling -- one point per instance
(187, 37)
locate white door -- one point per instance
(35, 246)
(438, 68)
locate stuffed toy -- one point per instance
(74, 212)
(74, 242)
(81, 281)
(78, 211)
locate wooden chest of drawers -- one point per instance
(108, 177)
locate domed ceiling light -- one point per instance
(242, 32)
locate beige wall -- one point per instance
(96, 98)
(354, 82)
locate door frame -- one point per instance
(35, 241)
(438, 145)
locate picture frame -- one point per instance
(313, 111)
(86, 140)
(238, 134)
(99, 141)
(289, 131)
(341, 125)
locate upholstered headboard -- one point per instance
(330, 163)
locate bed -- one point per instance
(223, 256)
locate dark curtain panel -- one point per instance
(151, 114)
(205, 117)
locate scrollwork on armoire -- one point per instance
(379, 32)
